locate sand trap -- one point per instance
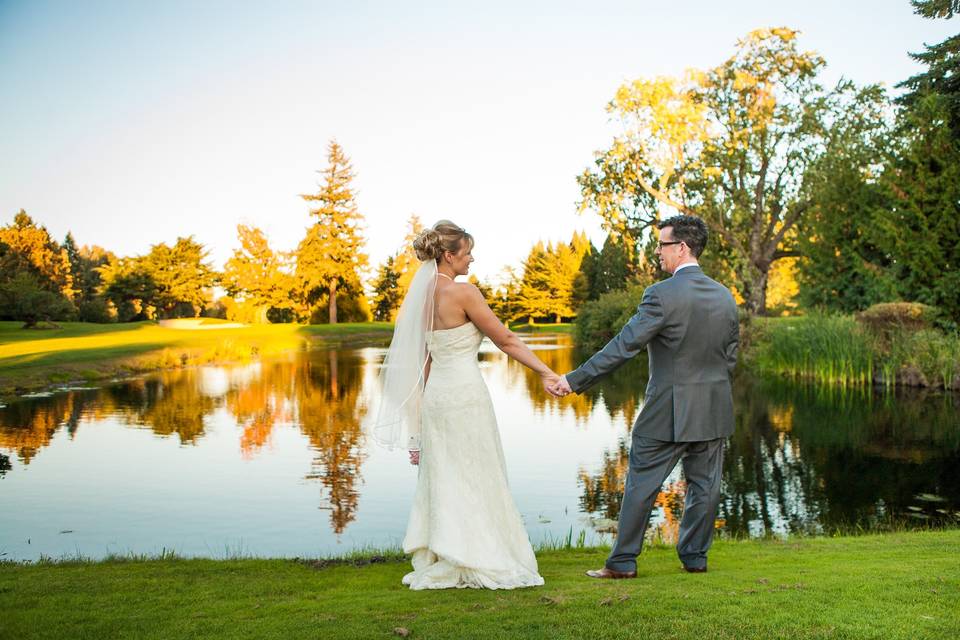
(198, 323)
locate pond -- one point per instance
(270, 459)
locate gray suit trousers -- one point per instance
(651, 461)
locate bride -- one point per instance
(464, 528)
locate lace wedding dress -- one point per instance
(464, 529)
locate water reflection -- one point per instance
(814, 459)
(802, 459)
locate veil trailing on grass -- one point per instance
(397, 414)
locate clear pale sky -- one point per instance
(131, 123)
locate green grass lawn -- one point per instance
(898, 585)
(31, 359)
(560, 327)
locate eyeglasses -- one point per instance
(661, 245)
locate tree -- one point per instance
(731, 144)
(485, 290)
(843, 265)
(257, 277)
(550, 274)
(921, 230)
(386, 291)
(127, 284)
(331, 255)
(27, 250)
(22, 297)
(29, 247)
(182, 280)
(534, 296)
(506, 297)
(942, 75)
(406, 262)
(85, 263)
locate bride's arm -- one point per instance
(507, 341)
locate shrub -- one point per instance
(888, 317)
(601, 319)
(96, 310)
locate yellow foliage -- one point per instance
(782, 287)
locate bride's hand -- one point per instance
(549, 380)
(414, 457)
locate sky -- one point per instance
(133, 123)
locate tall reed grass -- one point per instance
(837, 350)
(828, 349)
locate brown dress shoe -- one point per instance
(611, 574)
(694, 569)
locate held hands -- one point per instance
(414, 457)
(555, 385)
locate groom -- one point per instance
(688, 323)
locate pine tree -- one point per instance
(534, 297)
(943, 65)
(331, 255)
(257, 276)
(386, 291)
(27, 250)
(406, 262)
(183, 280)
(922, 229)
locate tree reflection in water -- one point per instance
(318, 392)
(808, 459)
(801, 459)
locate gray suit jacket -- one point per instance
(689, 325)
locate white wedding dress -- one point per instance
(464, 528)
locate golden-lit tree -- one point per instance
(549, 286)
(35, 278)
(731, 144)
(406, 263)
(331, 257)
(257, 277)
(25, 246)
(182, 275)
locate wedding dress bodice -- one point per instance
(454, 349)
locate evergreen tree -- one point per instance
(27, 249)
(942, 75)
(921, 231)
(331, 257)
(534, 300)
(85, 263)
(610, 269)
(485, 290)
(183, 280)
(128, 285)
(506, 297)
(386, 291)
(406, 262)
(22, 298)
(257, 278)
(843, 267)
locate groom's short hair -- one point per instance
(691, 229)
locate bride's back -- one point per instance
(448, 311)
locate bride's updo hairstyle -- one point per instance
(443, 236)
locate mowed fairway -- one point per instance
(899, 585)
(32, 359)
